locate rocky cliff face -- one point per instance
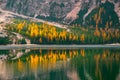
(46, 8)
(65, 11)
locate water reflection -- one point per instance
(83, 64)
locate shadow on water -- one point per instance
(70, 64)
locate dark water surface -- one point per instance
(70, 64)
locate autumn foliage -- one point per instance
(43, 33)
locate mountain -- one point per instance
(105, 14)
(83, 12)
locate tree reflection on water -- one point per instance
(82, 64)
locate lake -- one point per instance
(60, 64)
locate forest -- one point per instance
(43, 33)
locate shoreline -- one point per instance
(35, 46)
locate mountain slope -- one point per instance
(104, 16)
(66, 11)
